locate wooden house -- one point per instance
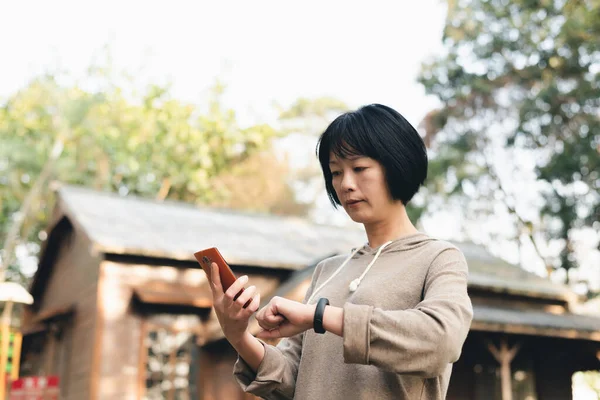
(123, 311)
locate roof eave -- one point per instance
(503, 289)
(521, 329)
(178, 256)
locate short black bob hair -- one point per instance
(383, 134)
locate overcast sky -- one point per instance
(265, 51)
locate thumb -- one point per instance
(271, 321)
(284, 330)
(263, 334)
(274, 318)
(215, 277)
(269, 334)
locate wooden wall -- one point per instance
(99, 353)
(72, 281)
(121, 369)
(216, 373)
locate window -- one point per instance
(170, 358)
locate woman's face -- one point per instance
(361, 187)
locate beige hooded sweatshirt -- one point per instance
(404, 326)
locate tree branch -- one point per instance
(522, 222)
(13, 233)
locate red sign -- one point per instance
(35, 388)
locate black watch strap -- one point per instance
(319, 311)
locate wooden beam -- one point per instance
(175, 294)
(504, 355)
(53, 313)
(535, 331)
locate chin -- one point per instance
(359, 217)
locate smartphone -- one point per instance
(206, 257)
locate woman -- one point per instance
(385, 322)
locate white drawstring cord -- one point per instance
(333, 275)
(355, 283)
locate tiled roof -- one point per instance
(136, 226)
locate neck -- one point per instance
(394, 226)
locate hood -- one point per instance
(403, 243)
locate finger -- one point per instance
(274, 319)
(273, 312)
(271, 321)
(269, 316)
(246, 295)
(215, 277)
(284, 330)
(235, 288)
(254, 305)
(260, 314)
(267, 326)
(268, 334)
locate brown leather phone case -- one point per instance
(206, 257)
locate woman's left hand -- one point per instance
(284, 318)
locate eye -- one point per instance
(359, 169)
(335, 173)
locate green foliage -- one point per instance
(322, 107)
(587, 382)
(521, 76)
(146, 144)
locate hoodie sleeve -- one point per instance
(275, 378)
(276, 375)
(422, 340)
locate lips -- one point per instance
(353, 202)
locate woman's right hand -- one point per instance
(232, 315)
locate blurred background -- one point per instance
(220, 104)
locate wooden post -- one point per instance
(16, 357)
(4, 345)
(3, 359)
(504, 356)
(49, 362)
(172, 365)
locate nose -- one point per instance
(348, 184)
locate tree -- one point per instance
(261, 183)
(520, 81)
(303, 121)
(587, 383)
(110, 138)
(315, 110)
